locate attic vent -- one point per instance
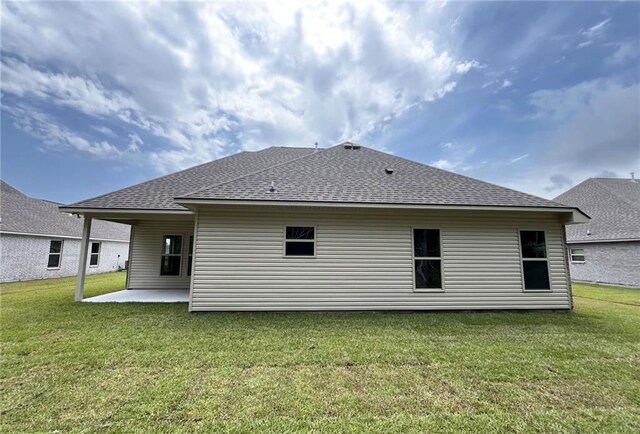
(272, 189)
(388, 170)
(349, 145)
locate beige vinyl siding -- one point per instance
(146, 249)
(364, 261)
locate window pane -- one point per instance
(94, 259)
(428, 273)
(190, 265)
(536, 274)
(533, 244)
(95, 247)
(300, 233)
(577, 255)
(191, 245)
(54, 261)
(299, 249)
(172, 244)
(55, 246)
(426, 243)
(170, 266)
(577, 258)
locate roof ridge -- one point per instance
(467, 177)
(616, 194)
(257, 171)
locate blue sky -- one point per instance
(534, 96)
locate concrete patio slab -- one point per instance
(142, 296)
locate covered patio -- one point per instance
(142, 296)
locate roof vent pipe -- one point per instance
(272, 189)
(316, 146)
(633, 176)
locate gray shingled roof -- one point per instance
(336, 174)
(23, 214)
(612, 204)
(158, 194)
(359, 175)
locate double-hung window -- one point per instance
(535, 265)
(95, 255)
(300, 241)
(55, 254)
(427, 259)
(577, 256)
(171, 255)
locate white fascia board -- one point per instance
(620, 240)
(98, 211)
(65, 237)
(577, 216)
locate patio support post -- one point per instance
(82, 262)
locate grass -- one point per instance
(82, 367)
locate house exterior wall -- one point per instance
(146, 253)
(614, 263)
(25, 257)
(364, 260)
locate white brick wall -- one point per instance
(25, 257)
(615, 263)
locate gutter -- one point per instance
(65, 237)
(577, 216)
(592, 241)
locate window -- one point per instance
(426, 259)
(300, 241)
(95, 255)
(535, 266)
(171, 255)
(55, 254)
(577, 255)
(190, 262)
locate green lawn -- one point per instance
(82, 367)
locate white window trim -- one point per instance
(162, 255)
(190, 254)
(546, 253)
(285, 241)
(414, 258)
(571, 255)
(59, 254)
(91, 254)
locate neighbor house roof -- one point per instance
(345, 173)
(612, 204)
(22, 214)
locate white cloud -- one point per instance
(464, 67)
(520, 158)
(625, 52)
(456, 157)
(593, 128)
(211, 77)
(446, 145)
(506, 83)
(57, 137)
(445, 164)
(595, 30)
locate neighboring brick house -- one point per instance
(37, 241)
(606, 249)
